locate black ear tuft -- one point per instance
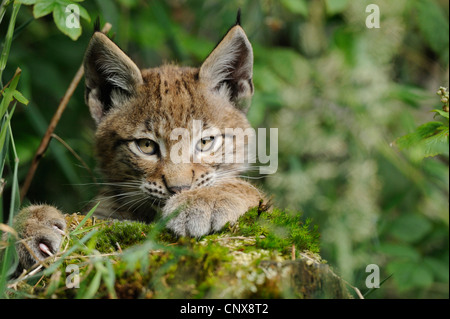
(97, 25)
(238, 18)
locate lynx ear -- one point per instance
(228, 70)
(111, 76)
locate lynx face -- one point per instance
(139, 112)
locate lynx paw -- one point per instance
(42, 228)
(196, 215)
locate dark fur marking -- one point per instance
(158, 88)
(238, 18)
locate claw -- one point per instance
(45, 249)
(59, 230)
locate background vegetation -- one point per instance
(339, 93)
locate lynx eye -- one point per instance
(205, 144)
(146, 146)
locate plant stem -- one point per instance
(15, 202)
(3, 6)
(8, 39)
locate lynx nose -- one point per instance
(177, 177)
(178, 189)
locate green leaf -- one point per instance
(5, 127)
(8, 94)
(6, 100)
(27, 2)
(93, 287)
(59, 16)
(84, 14)
(438, 267)
(408, 275)
(65, 20)
(88, 215)
(434, 145)
(19, 97)
(410, 227)
(296, 6)
(399, 251)
(62, 15)
(422, 276)
(43, 7)
(336, 6)
(429, 139)
(8, 38)
(109, 278)
(433, 24)
(422, 132)
(294, 69)
(86, 229)
(441, 112)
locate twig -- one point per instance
(8, 229)
(353, 287)
(40, 279)
(357, 291)
(54, 121)
(91, 256)
(239, 238)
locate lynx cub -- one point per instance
(136, 112)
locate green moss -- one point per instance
(123, 234)
(148, 261)
(278, 230)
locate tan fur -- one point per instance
(38, 224)
(131, 105)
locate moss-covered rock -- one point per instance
(264, 255)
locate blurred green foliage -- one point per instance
(339, 93)
(431, 138)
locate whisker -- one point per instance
(131, 181)
(123, 204)
(252, 177)
(121, 196)
(142, 201)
